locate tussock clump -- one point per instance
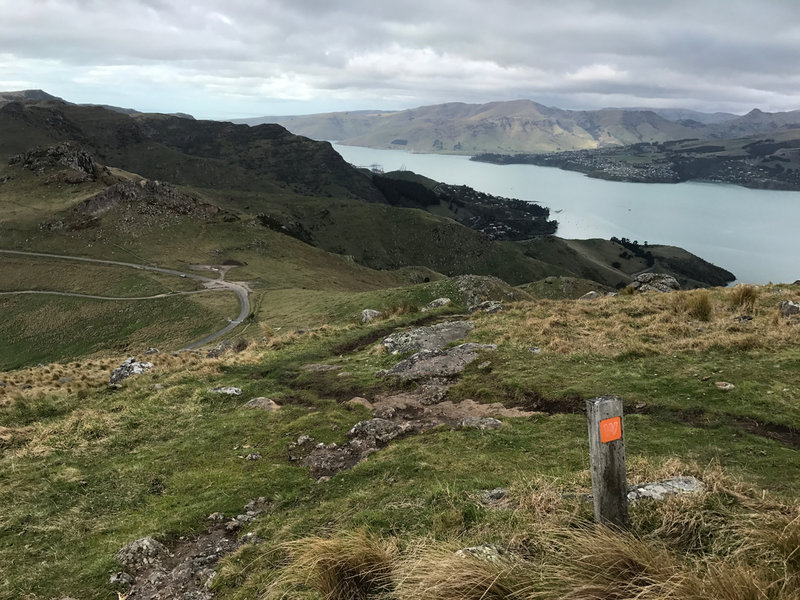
(743, 582)
(696, 304)
(399, 308)
(774, 538)
(600, 563)
(743, 297)
(432, 571)
(352, 566)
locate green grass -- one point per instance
(84, 475)
(38, 328)
(38, 273)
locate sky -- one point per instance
(242, 58)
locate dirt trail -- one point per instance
(240, 289)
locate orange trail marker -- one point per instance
(610, 429)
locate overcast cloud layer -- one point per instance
(237, 58)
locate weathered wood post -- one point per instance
(607, 455)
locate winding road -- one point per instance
(210, 283)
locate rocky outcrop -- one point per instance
(68, 155)
(128, 368)
(187, 570)
(436, 363)
(655, 282)
(365, 438)
(433, 337)
(239, 345)
(142, 553)
(475, 289)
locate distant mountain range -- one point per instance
(42, 96)
(523, 126)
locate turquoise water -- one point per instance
(752, 233)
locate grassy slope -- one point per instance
(594, 259)
(88, 472)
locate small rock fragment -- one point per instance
(142, 553)
(369, 314)
(590, 296)
(438, 303)
(121, 579)
(489, 306)
(262, 403)
(482, 423)
(233, 525)
(128, 368)
(226, 389)
(492, 496)
(488, 552)
(724, 386)
(789, 308)
(535, 350)
(253, 456)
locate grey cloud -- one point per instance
(247, 56)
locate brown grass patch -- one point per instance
(434, 571)
(743, 297)
(639, 325)
(351, 566)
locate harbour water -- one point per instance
(753, 233)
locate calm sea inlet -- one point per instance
(752, 233)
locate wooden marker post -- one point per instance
(607, 455)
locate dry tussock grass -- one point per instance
(434, 571)
(727, 543)
(644, 324)
(351, 566)
(743, 297)
(595, 562)
(77, 432)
